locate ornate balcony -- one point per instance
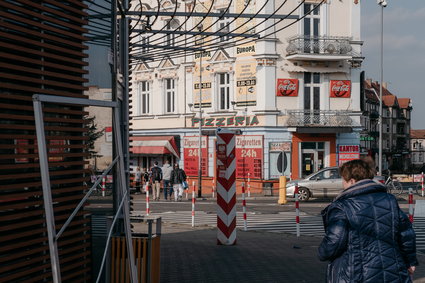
(320, 48)
(320, 121)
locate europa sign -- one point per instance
(287, 87)
(347, 153)
(340, 89)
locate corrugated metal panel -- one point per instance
(42, 52)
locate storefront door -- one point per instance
(312, 157)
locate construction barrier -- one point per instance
(245, 226)
(193, 204)
(411, 205)
(297, 211)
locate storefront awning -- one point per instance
(154, 145)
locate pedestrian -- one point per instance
(146, 179)
(368, 238)
(138, 179)
(166, 176)
(178, 176)
(156, 174)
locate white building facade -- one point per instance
(293, 95)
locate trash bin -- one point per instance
(268, 189)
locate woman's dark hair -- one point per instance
(357, 169)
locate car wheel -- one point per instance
(303, 194)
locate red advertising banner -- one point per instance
(347, 153)
(287, 87)
(340, 89)
(191, 155)
(249, 156)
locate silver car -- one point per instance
(325, 183)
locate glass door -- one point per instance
(312, 157)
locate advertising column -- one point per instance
(191, 155)
(249, 156)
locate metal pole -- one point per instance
(380, 90)
(200, 130)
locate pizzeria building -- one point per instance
(293, 99)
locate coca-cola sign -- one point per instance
(340, 89)
(287, 87)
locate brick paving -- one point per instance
(192, 255)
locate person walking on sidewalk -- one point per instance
(178, 176)
(138, 179)
(166, 176)
(156, 180)
(368, 238)
(146, 179)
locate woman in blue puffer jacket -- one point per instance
(368, 238)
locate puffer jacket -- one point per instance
(368, 238)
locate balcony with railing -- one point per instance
(321, 121)
(320, 48)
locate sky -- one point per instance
(404, 50)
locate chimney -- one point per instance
(384, 85)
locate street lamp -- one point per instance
(383, 4)
(200, 119)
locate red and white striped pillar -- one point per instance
(422, 184)
(213, 188)
(147, 200)
(226, 188)
(193, 203)
(249, 184)
(103, 186)
(411, 205)
(297, 211)
(245, 226)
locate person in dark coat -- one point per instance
(368, 238)
(178, 176)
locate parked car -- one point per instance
(325, 183)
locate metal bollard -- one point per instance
(245, 225)
(193, 204)
(103, 186)
(282, 190)
(297, 211)
(411, 205)
(422, 184)
(147, 200)
(249, 185)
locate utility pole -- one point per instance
(383, 4)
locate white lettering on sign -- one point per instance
(249, 141)
(349, 148)
(193, 142)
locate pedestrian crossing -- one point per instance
(283, 222)
(419, 226)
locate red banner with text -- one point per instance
(347, 153)
(287, 87)
(191, 155)
(249, 156)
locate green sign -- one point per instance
(367, 138)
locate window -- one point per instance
(144, 41)
(388, 128)
(224, 91)
(170, 37)
(311, 91)
(169, 95)
(143, 97)
(223, 25)
(311, 28)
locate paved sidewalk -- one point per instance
(192, 255)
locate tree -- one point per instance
(93, 135)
